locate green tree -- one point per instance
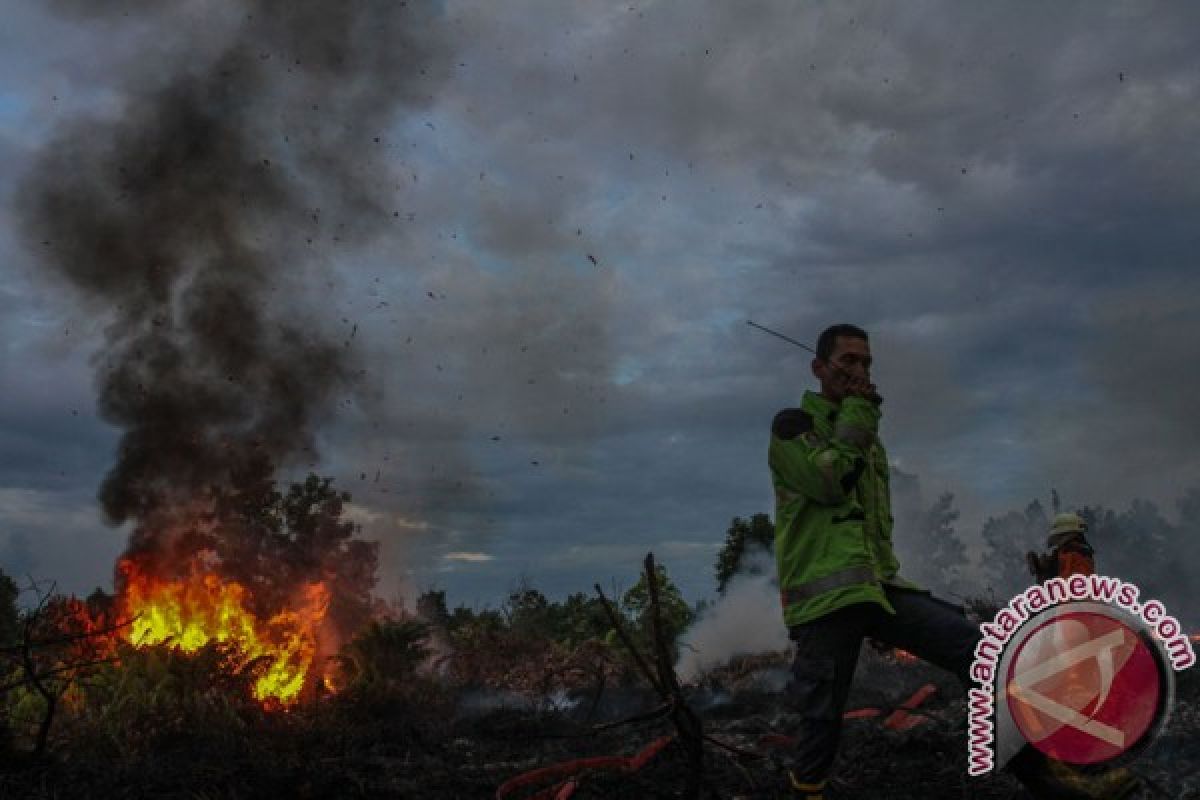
(1138, 544)
(465, 622)
(385, 653)
(1186, 545)
(742, 535)
(930, 550)
(1007, 539)
(9, 617)
(321, 546)
(674, 613)
(529, 612)
(463, 618)
(10, 632)
(947, 554)
(273, 542)
(431, 607)
(580, 617)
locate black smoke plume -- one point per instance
(249, 148)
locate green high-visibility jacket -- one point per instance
(833, 517)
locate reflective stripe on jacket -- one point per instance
(833, 519)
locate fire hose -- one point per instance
(573, 770)
(568, 774)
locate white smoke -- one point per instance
(746, 620)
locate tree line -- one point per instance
(44, 652)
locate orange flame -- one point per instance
(189, 613)
(903, 656)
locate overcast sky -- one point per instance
(588, 202)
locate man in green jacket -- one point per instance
(838, 575)
(839, 578)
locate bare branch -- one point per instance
(688, 725)
(626, 640)
(4, 687)
(66, 639)
(657, 713)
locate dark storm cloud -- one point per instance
(1127, 425)
(50, 448)
(960, 180)
(940, 132)
(54, 535)
(49, 435)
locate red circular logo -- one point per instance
(1084, 687)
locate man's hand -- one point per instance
(856, 386)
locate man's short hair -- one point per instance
(827, 341)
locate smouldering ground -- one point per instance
(438, 744)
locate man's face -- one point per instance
(853, 356)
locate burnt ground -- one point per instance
(437, 744)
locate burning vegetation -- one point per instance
(278, 579)
(203, 608)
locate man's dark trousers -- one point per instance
(827, 653)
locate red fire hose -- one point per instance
(571, 770)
